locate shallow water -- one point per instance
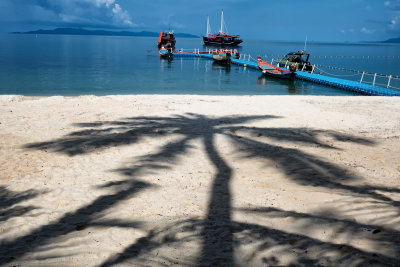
(103, 65)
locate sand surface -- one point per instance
(199, 181)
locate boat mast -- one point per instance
(222, 20)
(208, 25)
(305, 44)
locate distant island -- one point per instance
(393, 41)
(73, 31)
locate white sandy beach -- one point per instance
(151, 180)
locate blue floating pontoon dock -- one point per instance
(348, 85)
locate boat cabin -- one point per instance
(298, 59)
(166, 39)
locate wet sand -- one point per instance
(151, 180)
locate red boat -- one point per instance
(221, 38)
(271, 70)
(166, 39)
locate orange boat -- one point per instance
(271, 70)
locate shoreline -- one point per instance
(194, 179)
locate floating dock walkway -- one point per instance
(347, 85)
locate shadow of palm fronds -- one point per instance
(308, 170)
(9, 201)
(254, 244)
(217, 233)
(90, 215)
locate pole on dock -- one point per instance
(362, 76)
(373, 83)
(388, 85)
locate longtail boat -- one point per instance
(271, 70)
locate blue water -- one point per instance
(102, 65)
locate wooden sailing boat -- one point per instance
(221, 38)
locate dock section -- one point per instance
(347, 85)
(353, 86)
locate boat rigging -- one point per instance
(221, 38)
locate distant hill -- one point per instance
(73, 31)
(393, 41)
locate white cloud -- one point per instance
(351, 30)
(96, 13)
(99, 3)
(367, 31)
(170, 21)
(394, 23)
(121, 15)
(393, 14)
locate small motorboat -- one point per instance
(299, 59)
(166, 52)
(271, 70)
(224, 56)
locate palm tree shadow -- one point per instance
(107, 134)
(217, 231)
(9, 201)
(308, 170)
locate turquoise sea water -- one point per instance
(103, 65)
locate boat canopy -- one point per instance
(297, 57)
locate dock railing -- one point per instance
(383, 80)
(374, 79)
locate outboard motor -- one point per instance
(293, 67)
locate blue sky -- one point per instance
(323, 20)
